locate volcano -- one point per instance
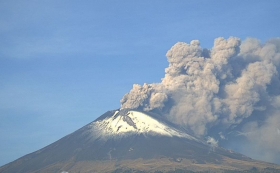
(133, 141)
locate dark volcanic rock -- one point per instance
(132, 141)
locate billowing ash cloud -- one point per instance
(234, 86)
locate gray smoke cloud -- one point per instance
(234, 86)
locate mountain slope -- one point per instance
(131, 140)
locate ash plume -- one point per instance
(234, 86)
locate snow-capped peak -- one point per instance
(134, 122)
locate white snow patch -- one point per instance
(135, 123)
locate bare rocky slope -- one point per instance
(133, 141)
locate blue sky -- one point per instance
(64, 63)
